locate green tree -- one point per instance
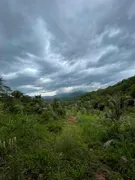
(1, 85)
(25, 99)
(3, 88)
(132, 91)
(17, 94)
(114, 107)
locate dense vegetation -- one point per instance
(90, 137)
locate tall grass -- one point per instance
(57, 150)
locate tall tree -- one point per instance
(3, 88)
(1, 84)
(17, 94)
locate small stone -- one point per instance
(124, 159)
(108, 143)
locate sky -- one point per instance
(49, 47)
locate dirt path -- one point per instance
(100, 176)
(72, 119)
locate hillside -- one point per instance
(66, 95)
(126, 86)
(91, 137)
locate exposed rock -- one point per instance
(108, 143)
(124, 159)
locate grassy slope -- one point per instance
(126, 86)
(91, 148)
(59, 150)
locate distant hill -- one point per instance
(126, 86)
(66, 95)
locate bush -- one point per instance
(45, 117)
(114, 108)
(54, 128)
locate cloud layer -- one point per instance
(49, 47)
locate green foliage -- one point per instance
(38, 139)
(132, 91)
(4, 89)
(17, 94)
(114, 108)
(1, 85)
(45, 116)
(56, 150)
(54, 128)
(25, 99)
(97, 99)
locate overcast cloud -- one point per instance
(55, 46)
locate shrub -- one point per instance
(114, 109)
(54, 128)
(45, 116)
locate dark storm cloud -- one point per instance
(58, 46)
